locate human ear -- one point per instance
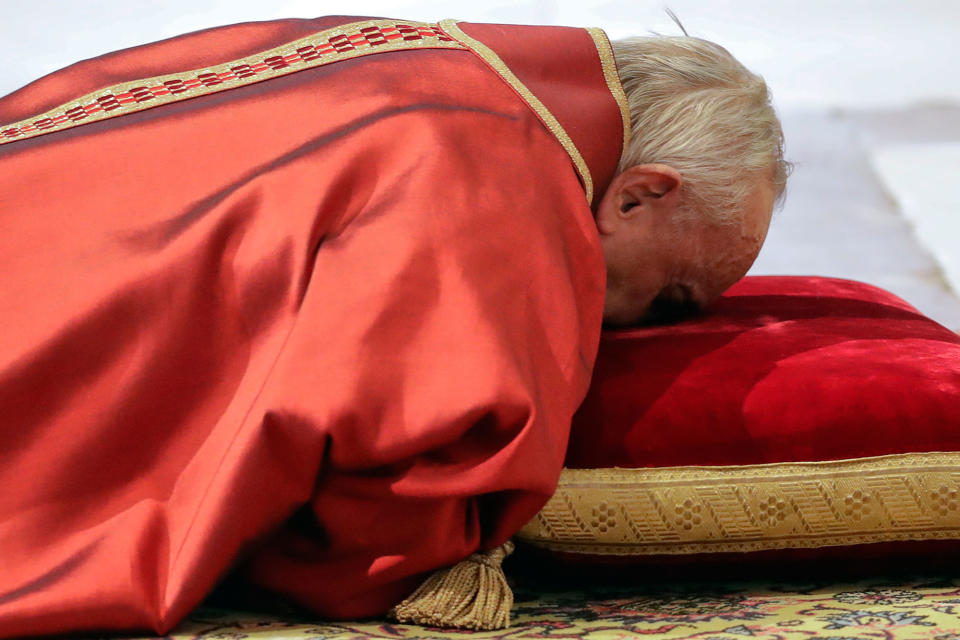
(638, 190)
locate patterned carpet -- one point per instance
(868, 608)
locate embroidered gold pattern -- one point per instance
(486, 53)
(609, 64)
(683, 510)
(331, 45)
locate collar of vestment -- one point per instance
(569, 78)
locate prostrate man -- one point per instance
(316, 299)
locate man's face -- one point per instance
(662, 265)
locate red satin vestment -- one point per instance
(326, 323)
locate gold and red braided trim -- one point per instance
(331, 45)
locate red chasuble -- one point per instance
(311, 299)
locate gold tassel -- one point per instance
(472, 594)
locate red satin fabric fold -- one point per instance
(367, 293)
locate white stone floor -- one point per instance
(840, 218)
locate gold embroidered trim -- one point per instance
(486, 53)
(684, 510)
(330, 45)
(609, 64)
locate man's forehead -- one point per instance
(734, 250)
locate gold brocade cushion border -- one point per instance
(685, 510)
(330, 45)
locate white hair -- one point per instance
(694, 107)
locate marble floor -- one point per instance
(845, 218)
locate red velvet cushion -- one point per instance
(779, 369)
(797, 418)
